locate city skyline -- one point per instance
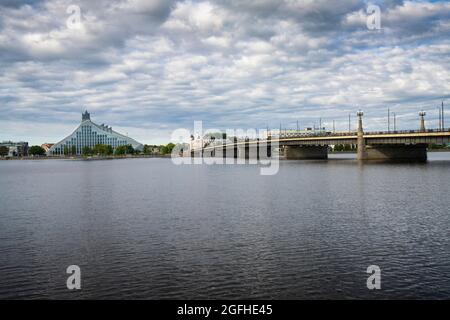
(147, 68)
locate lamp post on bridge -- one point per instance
(349, 123)
(360, 115)
(422, 115)
(395, 121)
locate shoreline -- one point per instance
(95, 158)
(86, 158)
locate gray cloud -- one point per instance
(148, 67)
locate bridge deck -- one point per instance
(430, 136)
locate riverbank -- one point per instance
(91, 158)
(354, 151)
(86, 158)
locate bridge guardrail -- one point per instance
(326, 134)
(352, 133)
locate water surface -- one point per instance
(147, 229)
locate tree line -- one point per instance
(158, 150)
(101, 149)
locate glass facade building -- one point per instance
(89, 134)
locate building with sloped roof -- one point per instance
(90, 134)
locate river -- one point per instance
(148, 229)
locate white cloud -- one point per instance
(148, 67)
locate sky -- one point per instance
(149, 67)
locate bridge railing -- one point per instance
(407, 131)
(352, 133)
(319, 134)
(312, 134)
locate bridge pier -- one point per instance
(253, 151)
(264, 150)
(230, 152)
(209, 153)
(395, 152)
(196, 154)
(243, 151)
(399, 152)
(220, 152)
(306, 152)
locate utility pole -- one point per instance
(334, 127)
(443, 124)
(440, 118)
(389, 120)
(395, 121)
(297, 125)
(320, 124)
(349, 123)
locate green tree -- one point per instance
(120, 150)
(66, 150)
(36, 151)
(86, 151)
(150, 149)
(348, 147)
(162, 149)
(102, 149)
(4, 151)
(170, 147)
(126, 149)
(108, 150)
(166, 149)
(338, 147)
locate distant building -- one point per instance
(89, 134)
(47, 146)
(16, 149)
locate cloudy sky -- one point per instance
(147, 67)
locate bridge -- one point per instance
(410, 145)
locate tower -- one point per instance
(85, 116)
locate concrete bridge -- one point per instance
(393, 145)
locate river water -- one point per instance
(148, 229)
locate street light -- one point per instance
(395, 121)
(422, 115)
(360, 126)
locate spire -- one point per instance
(85, 116)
